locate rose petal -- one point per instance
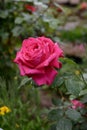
(47, 61)
(58, 50)
(46, 78)
(55, 63)
(53, 57)
(24, 70)
(19, 59)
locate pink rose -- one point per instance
(77, 104)
(38, 58)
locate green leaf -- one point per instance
(18, 20)
(73, 86)
(69, 61)
(17, 31)
(24, 81)
(4, 14)
(72, 97)
(53, 127)
(69, 65)
(64, 124)
(57, 101)
(84, 126)
(58, 81)
(55, 114)
(54, 23)
(83, 92)
(73, 114)
(27, 17)
(84, 99)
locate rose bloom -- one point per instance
(30, 8)
(83, 6)
(77, 104)
(38, 58)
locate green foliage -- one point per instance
(74, 86)
(73, 115)
(21, 95)
(68, 86)
(55, 115)
(24, 104)
(64, 124)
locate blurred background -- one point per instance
(65, 22)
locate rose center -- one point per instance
(35, 47)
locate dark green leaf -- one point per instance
(58, 81)
(84, 126)
(64, 124)
(73, 86)
(53, 127)
(83, 92)
(3, 14)
(84, 99)
(73, 114)
(57, 101)
(55, 114)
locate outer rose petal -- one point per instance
(20, 60)
(55, 63)
(24, 70)
(58, 50)
(46, 78)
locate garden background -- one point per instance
(46, 107)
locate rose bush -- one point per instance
(38, 58)
(77, 104)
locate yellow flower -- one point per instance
(77, 72)
(17, 125)
(4, 110)
(2, 113)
